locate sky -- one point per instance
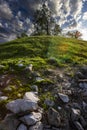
(16, 16)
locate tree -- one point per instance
(75, 34)
(57, 29)
(43, 20)
(78, 34)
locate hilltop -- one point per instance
(55, 68)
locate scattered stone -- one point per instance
(75, 114)
(54, 118)
(22, 127)
(83, 85)
(78, 125)
(20, 65)
(34, 88)
(21, 105)
(29, 68)
(39, 79)
(48, 102)
(37, 126)
(31, 119)
(59, 108)
(3, 98)
(31, 96)
(63, 97)
(9, 123)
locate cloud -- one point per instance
(5, 11)
(20, 13)
(84, 16)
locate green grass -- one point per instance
(43, 52)
(37, 50)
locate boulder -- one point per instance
(37, 126)
(54, 118)
(9, 123)
(22, 127)
(31, 119)
(63, 97)
(21, 105)
(31, 96)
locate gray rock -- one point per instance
(83, 85)
(78, 125)
(83, 122)
(9, 123)
(39, 79)
(48, 102)
(54, 117)
(22, 127)
(20, 65)
(21, 105)
(63, 97)
(37, 126)
(31, 119)
(75, 114)
(31, 96)
(34, 87)
(3, 98)
(29, 68)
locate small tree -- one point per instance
(43, 20)
(57, 29)
(78, 34)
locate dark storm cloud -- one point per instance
(16, 15)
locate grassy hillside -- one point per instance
(40, 50)
(43, 53)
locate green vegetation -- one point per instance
(40, 50)
(43, 52)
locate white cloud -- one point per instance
(5, 11)
(84, 16)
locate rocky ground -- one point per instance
(56, 100)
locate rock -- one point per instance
(54, 117)
(22, 127)
(31, 119)
(34, 87)
(37, 126)
(84, 106)
(63, 97)
(39, 79)
(48, 102)
(31, 96)
(75, 114)
(83, 122)
(78, 125)
(9, 123)
(84, 70)
(20, 65)
(3, 98)
(21, 105)
(76, 105)
(79, 75)
(29, 68)
(83, 85)
(84, 93)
